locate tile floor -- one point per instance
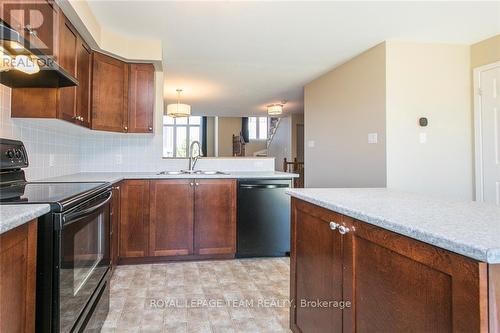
(244, 295)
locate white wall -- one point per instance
(340, 109)
(433, 81)
(281, 144)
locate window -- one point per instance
(178, 133)
(257, 128)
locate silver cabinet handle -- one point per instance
(197, 184)
(343, 230)
(150, 129)
(191, 184)
(334, 225)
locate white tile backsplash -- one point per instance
(57, 148)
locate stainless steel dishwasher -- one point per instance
(263, 218)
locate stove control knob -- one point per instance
(10, 153)
(19, 154)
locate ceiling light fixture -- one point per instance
(178, 109)
(275, 109)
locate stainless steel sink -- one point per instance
(192, 172)
(180, 172)
(209, 172)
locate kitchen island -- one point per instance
(396, 262)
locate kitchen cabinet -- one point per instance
(215, 216)
(134, 219)
(67, 57)
(18, 279)
(70, 103)
(317, 269)
(141, 98)
(84, 76)
(393, 283)
(115, 224)
(177, 219)
(171, 217)
(36, 21)
(109, 94)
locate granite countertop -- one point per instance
(468, 228)
(12, 216)
(113, 177)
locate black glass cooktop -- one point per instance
(51, 193)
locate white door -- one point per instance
(487, 116)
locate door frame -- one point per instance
(478, 146)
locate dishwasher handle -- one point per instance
(250, 186)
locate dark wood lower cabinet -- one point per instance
(18, 279)
(177, 219)
(171, 218)
(317, 270)
(215, 216)
(394, 283)
(134, 219)
(115, 224)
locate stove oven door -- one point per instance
(83, 257)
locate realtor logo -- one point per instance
(34, 20)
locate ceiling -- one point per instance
(234, 58)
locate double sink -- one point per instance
(192, 172)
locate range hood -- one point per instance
(17, 62)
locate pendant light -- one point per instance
(275, 109)
(177, 109)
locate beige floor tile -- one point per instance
(160, 297)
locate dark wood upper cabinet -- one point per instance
(134, 219)
(316, 274)
(393, 283)
(68, 43)
(36, 21)
(141, 98)
(171, 217)
(70, 103)
(18, 279)
(84, 76)
(215, 216)
(109, 94)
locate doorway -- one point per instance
(487, 132)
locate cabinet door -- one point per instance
(315, 269)
(36, 21)
(171, 217)
(215, 216)
(134, 219)
(83, 74)
(67, 57)
(115, 224)
(398, 284)
(109, 94)
(18, 279)
(141, 98)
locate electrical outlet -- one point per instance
(423, 137)
(52, 160)
(372, 137)
(119, 159)
(311, 143)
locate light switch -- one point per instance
(310, 143)
(372, 137)
(423, 137)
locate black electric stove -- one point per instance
(73, 255)
(60, 196)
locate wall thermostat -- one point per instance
(423, 122)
